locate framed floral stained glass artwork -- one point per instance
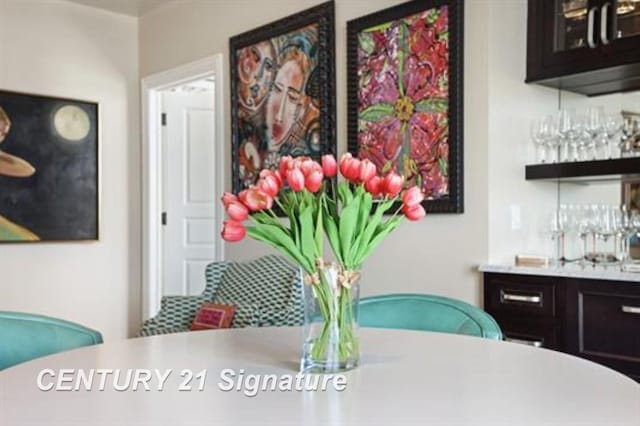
(282, 92)
(405, 96)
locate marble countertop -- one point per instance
(570, 271)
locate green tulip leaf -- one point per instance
(319, 229)
(344, 193)
(307, 236)
(265, 218)
(389, 226)
(280, 240)
(348, 223)
(331, 229)
(369, 231)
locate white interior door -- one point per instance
(188, 139)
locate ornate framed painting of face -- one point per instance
(48, 168)
(405, 69)
(282, 92)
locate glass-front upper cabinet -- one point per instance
(586, 46)
(570, 24)
(624, 18)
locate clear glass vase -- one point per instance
(330, 329)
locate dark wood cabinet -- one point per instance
(603, 323)
(593, 319)
(585, 46)
(526, 307)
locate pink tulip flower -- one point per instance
(392, 184)
(284, 166)
(227, 198)
(412, 196)
(268, 172)
(414, 213)
(313, 182)
(233, 231)
(308, 166)
(373, 185)
(295, 179)
(367, 170)
(237, 211)
(255, 199)
(350, 168)
(269, 184)
(346, 158)
(329, 165)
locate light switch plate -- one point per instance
(516, 219)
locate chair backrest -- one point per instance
(24, 337)
(265, 291)
(427, 313)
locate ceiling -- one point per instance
(126, 7)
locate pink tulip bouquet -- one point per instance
(351, 224)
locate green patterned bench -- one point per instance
(266, 292)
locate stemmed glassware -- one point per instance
(593, 134)
(556, 232)
(612, 128)
(584, 226)
(543, 134)
(595, 226)
(538, 137)
(605, 229)
(570, 130)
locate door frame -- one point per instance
(151, 87)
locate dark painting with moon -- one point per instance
(282, 93)
(48, 169)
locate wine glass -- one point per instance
(626, 232)
(555, 230)
(571, 128)
(605, 229)
(584, 227)
(612, 127)
(595, 133)
(550, 134)
(564, 227)
(627, 141)
(539, 137)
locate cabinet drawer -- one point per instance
(531, 334)
(609, 325)
(531, 297)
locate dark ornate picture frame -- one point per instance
(307, 40)
(417, 28)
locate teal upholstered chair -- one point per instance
(427, 313)
(24, 337)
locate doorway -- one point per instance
(183, 151)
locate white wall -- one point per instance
(62, 49)
(512, 105)
(436, 256)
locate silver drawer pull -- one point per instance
(631, 309)
(521, 298)
(534, 343)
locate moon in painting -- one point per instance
(72, 123)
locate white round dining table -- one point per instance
(405, 378)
